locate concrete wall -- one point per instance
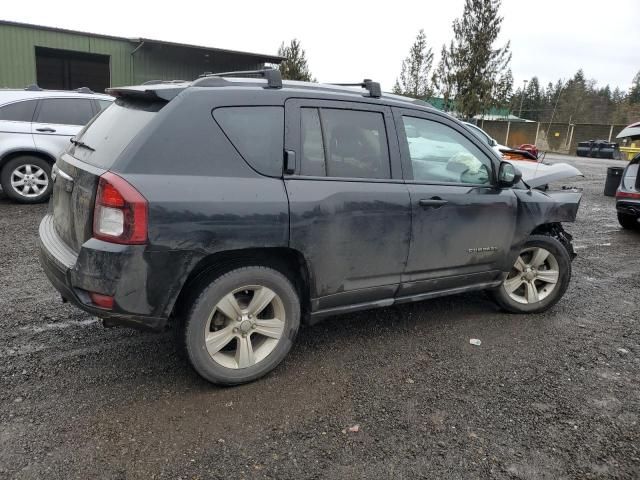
(555, 137)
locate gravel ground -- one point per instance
(551, 396)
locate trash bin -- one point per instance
(614, 175)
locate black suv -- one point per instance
(238, 208)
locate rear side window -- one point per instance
(257, 133)
(18, 111)
(65, 111)
(112, 130)
(344, 143)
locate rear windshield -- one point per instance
(629, 180)
(109, 133)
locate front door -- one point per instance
(350, 213)
(463, 225)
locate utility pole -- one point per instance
(522, 97)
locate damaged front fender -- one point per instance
(537, 209)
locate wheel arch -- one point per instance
(10, 155)
(555, 230)
(288, 261)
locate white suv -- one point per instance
(35, 127)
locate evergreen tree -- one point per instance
(295, 66)
(414, 77)
(471, 68)
(503, 89)
(634, 93)
(533, 104)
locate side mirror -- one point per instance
(508, 175)
(493, 142)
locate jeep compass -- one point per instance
(237, 207)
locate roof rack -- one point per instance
(162, 82)
(272, 75)
(35, 88)
(372, 87)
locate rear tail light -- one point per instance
(120, 214)
(631, 195)
(102, 301)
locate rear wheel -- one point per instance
(538, 279)
(242, 325)
(27, 179)
(629, 222)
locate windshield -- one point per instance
(108, 134)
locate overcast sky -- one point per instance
(347, 41)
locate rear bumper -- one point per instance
(103, 268)
(628, 207)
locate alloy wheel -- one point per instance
(533, 277)
(245, 326)
(29, 180)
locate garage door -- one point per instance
(68, 70)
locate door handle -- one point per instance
(289, 162)
(46, 129)
(434, 202)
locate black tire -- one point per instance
(559, 252)
(15, 163)
(629, 222)
(198, 316)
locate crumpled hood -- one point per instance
(538, 174)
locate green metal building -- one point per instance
(54, 58)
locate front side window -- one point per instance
(440, 154)
(344, 143)
(65, 111)
(257, 133)
(18, 111)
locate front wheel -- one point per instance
(242, 325)
(538, 279)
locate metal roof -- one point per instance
(266, 58)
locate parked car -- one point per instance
(485, 137)
(236, 209)
(35, 127)
(628, 196)
(535, 173)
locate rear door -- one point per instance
(349, 207)
(59, 119)
(463, 224)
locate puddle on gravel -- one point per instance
(60, 325)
